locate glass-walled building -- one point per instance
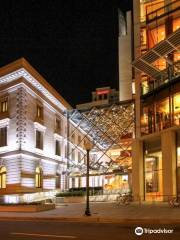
(155, 170)
(161, 110)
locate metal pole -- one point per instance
(87, 211)
(67, 151)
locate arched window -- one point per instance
(38, 177)
(3, 177)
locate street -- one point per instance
(42, 230)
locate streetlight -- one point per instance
(88, 146)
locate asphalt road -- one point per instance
(38, 230)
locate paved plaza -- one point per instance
(104, 212)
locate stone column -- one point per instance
(137, 170)
(168, 145)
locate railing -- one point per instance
(166, 76)
(173, 6)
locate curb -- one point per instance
(94, 220)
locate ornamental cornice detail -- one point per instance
(39, 127)
(21, 110)
(4, 122)
(58, 137)
(29, 78)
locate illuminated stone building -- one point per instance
(156, 148)
(33, 135)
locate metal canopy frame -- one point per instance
(109, 128)
(161, 50)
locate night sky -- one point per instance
(71, 43)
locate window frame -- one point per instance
(3, 175)
(3, 142)
(38, 177)
(40, 111)
(57, 147)
(40, 143)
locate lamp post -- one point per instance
(88, 147)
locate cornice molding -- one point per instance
(29, 78)
(58, 137)
(39, 127)
(4, 122)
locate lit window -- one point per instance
(160, 64)
(3, 136)
(39, 112)
(4, 105)
(153, 175)
(39, 139)
(133, 88)
(156, 35)
(58, 148)
(2, 177)
(176, 105)
(147, 7)
(176, 24)
(176, 56)
(143, 36)
(38, 177)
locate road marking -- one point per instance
(41, 235)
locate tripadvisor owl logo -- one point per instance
(139, 231)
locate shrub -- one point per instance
(70, 194)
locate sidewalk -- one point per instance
(103, 212)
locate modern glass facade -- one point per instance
(178, 161)
(153, 176)
(159, 19)
(153, 173)
(156, 149)
(161, 110)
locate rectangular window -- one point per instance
(176, 105)
(40, 112)
(153, 176)
(4, 105)
(156, 35)
(178, 162)
(58, 148)
(73, 154)
(39, 139)
(79, 139)
(65, 151)
(58, 125)
(3, 136)
(79, 157)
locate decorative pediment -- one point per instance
(39, 127)
(4, 122)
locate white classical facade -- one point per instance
(32, 135)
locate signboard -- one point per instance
(102, 91)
